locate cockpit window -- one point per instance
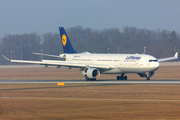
(153, 60)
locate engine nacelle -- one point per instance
(91, 73)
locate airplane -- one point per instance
(92, 65)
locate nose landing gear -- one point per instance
(148, 78)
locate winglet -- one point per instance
(169, 58)
(176, 55)
(6, 58)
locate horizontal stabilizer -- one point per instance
(6, 58)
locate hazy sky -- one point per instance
(41, 16)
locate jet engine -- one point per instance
(147, 75)
(91, 73)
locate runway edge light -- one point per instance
(60, 84)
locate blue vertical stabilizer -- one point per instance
(65, 41)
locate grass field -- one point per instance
(93, 102)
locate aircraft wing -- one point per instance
(47, 55)
(169, 58)
(61, 63)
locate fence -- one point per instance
(170, 64)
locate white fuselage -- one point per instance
(119, 63)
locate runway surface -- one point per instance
(94, 99)
(90, 82)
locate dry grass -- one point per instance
(79, 102)
(92, 102)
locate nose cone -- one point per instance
(157, 65)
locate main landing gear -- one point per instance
(122, 77)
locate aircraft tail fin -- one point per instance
(67, 47)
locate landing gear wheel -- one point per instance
(125, 77)
(87, 79)
(118, 77)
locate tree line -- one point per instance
(159, 43)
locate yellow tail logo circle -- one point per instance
(64, 40)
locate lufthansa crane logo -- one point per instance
(64, 40)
